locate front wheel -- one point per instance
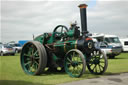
(74, 63)
(97, 64)
(33, 58)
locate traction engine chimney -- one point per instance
(83, 18)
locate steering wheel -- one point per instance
(60, 30)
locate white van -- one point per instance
(114, 46)
(124, 43)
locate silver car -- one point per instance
(6, 50)
(16, 46)
(110, 50)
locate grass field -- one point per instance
(12, 74)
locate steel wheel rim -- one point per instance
(30, 58)
(74, 64)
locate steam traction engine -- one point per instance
(66, 48)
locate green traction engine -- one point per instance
(65, 49)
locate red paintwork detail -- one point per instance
(88, 39)
(49, 34)
(83, 6)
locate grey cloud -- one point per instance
(22, 19)
(109, 17)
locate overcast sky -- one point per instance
(20, 19)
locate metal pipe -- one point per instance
(83, 18)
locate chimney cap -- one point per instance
(82, 6)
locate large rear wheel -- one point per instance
(33, 58)
(75, 63)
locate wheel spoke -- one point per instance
(69, 60)
(27, 55)
(94, 67)
(37, 58)
(79, 63)
(73, 54)
(69, 64)
(79, 67)
(62, 30)
(35, 53)
(33, 68)
(28, 63)
(36, 63)
(91, 64)
(29, 68)
(28, 59)
(70, 68)
(32, 52)
(99, 68)
(102, 61)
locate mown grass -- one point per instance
(119, 64)
(11, 72)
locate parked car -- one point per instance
(6, 50)
(115, 44)
(16, 46)
(110, 50)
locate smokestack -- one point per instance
(83, 18)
